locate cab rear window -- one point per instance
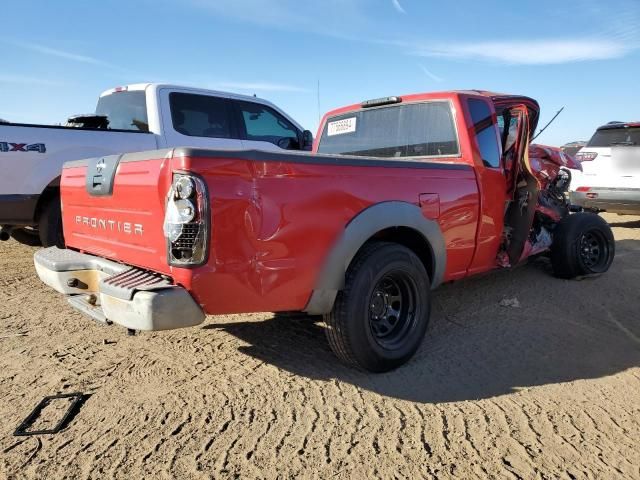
(125, 110)
(608, 137)
(409, 130)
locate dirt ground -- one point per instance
(547, 390)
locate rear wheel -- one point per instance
(27, 236)
(583, 244)
(379, 320)
(50, 224)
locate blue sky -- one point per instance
(57, 56)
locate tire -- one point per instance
(380, 318)
(583, 244)
(27, 236)
(50, 224)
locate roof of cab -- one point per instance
(499, 99)
(201, 91)
(171, 86)
(414, 97)
(613, 125)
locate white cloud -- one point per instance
(258, 86)
(28, 80)
(34, 47)
(397, 6)
(333, 18)
(529, 52)
(351, 20)
(430, 74)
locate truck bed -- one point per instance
(274, 216)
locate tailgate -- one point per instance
(114, 207)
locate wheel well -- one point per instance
(50, 192)
(413, 240)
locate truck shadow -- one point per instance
(633, 224)
(475, 348)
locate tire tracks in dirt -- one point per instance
(493, 393)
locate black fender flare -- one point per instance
(361, 228)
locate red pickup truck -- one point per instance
(399, 195)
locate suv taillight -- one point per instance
(186, 221)
(586, 156)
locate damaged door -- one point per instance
(522, 185)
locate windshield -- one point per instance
(125, 110)
(606, 137)
(411, 130)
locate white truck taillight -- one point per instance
(586, 156)
(186, 221)
(587, 192)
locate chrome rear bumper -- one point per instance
(112, 292)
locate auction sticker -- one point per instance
(340, 127)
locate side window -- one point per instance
(263, 124)
(509, 138)
(200, 115)
(485, 132)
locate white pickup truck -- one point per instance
(127, 119)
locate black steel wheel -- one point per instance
(594, 249)
(583, 244)
(379, 319)
(392, 311)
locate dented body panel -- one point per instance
(273, 221)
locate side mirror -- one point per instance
(307, 140)
(287, 143)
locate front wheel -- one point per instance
(380, 318)
(583, 244)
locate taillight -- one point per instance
(186, 221)
(586, 156)
(587, 192)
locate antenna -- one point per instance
(318, 90)
(545, 127)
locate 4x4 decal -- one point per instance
(22, 147)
